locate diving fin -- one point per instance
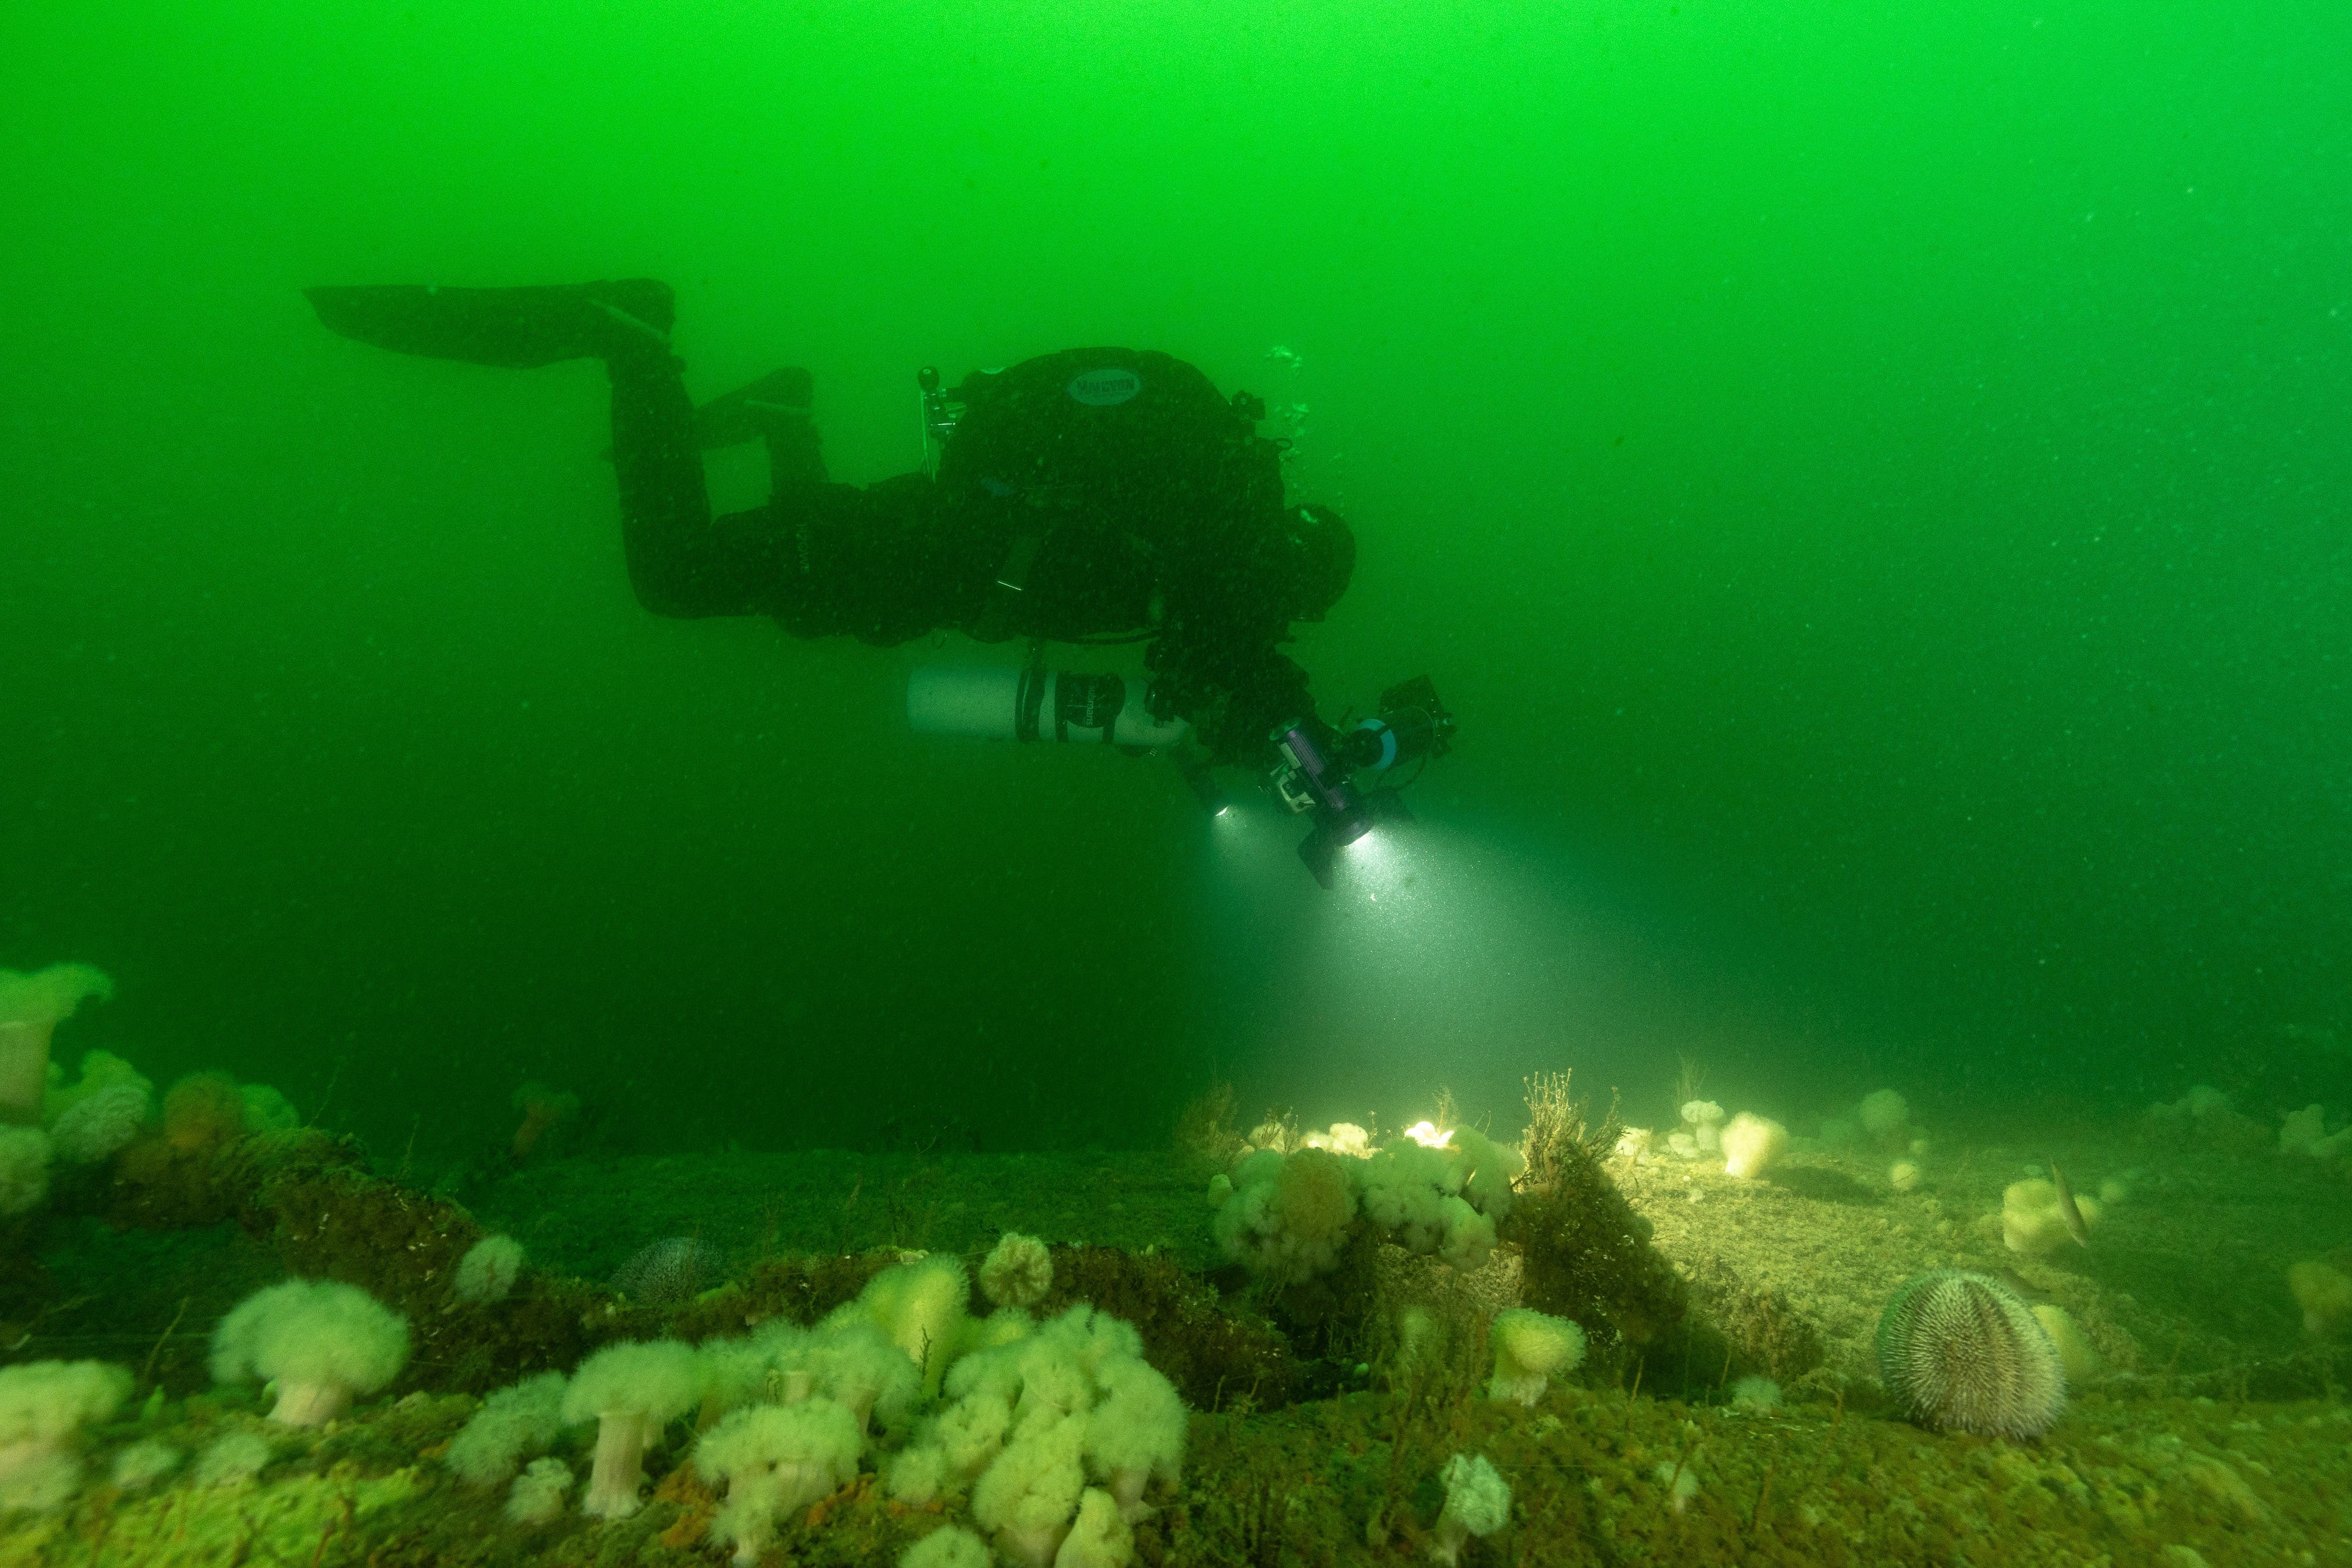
(777, 401)
(774, 411)
(520, 328)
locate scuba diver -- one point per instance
(1086, 495)
(1091, 496)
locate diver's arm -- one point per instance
(1268, 691)
(1235, 692)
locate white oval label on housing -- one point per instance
(1100, 388)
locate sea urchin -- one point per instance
(1963, 1353)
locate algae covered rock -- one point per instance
(1588, 1257)
(287, 1521)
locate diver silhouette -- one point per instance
(1093, 494)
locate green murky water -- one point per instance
(1870, 482)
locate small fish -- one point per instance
(2031, 1294)
(2066, 1209)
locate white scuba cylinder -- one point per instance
(991, 701)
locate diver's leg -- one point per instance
(775, 410)
(747, 412)
(665, 503)
(680, 561)
(665, 497)
(795, 454)
(883, 563)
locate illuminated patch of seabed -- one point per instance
(1444, 954)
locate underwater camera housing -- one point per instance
(1316, 775)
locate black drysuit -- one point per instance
(1086, 495)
